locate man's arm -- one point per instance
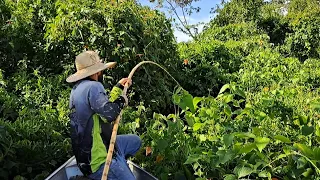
(102, 105)
(115, 92)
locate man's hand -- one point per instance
(123, 81)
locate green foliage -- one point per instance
(236, 32)
(263, 126)
(272, 20)
(39, 40)
(217, 138)
(217, 56)
(265, 67)
(304, 42)
(249, 110)
(23, 34)
(292, 24)
(47, 35)
(238, 11)
(34, 121)
(120, 32)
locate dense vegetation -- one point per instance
(249, 109)
(39, 41)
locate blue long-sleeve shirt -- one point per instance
(87, 99)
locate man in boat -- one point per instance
(92, 112)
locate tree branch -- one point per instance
(184, 25)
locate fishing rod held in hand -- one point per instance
(116, 123)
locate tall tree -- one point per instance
(237, 11)
(181, 10)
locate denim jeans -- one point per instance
(127, 145)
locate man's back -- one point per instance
(84, 99)
(91, 115)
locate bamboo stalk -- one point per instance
(116, 124)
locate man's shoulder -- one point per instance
(94, 85)
(87, 85)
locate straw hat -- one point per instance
(87, 64)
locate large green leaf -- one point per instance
(303, 119)
(301, 162)
(244, 135)
(242, 171)
(261, 142)
(184, 100)
(227, 139)
(307, 130)
(202, 137)
(196, 100)
(240, 92)
(282, 138)
(308, 172)
(197, 126)
(162, 144)
(227, 110)
(190, 119)
(187, 101)
(224, 88)
(224, 156)
(264, 174)
(228, 98)
(176, 98)
(316, 153)
(305, 150)
(247, 148)
(192, 159)
(230, 177)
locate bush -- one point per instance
(41, 40)
(274, 23)
(303, 42)
(35, 139)
(254, 78)
(121, 32)
(214, 60)
(268, 137)
(236, 32)
(47, 35)
(265, 67)
(238, 11)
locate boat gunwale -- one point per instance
(60, 168)
(141, 169)
(73, 158)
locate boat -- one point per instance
(70, 171)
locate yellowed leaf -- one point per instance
(148, 150)
(185, 62)
(159, 158)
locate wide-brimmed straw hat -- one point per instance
(87, 64)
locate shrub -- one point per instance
(276, 134)
(303, 42)
(34, 125)
(214, 60)
(121, 32)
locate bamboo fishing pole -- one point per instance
(116, 123)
